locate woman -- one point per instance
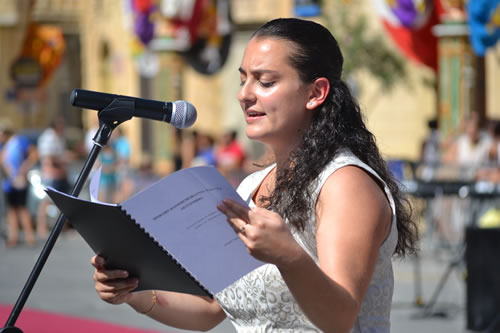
(327, 216)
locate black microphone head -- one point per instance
(183, 114)
(72, 98)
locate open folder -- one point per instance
(170, 235)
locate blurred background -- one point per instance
(426, 73)
(407, 61)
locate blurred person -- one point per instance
(204, 150)
(230, 157)
(3, 140)
(494, 150)
(107, 183)
(491, 173)
(121, 146)
(17, 156)
(187, 148)
(430, 155)
(137, 180)
(229, 154)
(54, 159)
(326, 217)
(469, 151)
(177, 149)
(145, 175)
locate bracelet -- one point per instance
(153, 293)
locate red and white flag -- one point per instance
(409, 24)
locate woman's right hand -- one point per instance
(113, 286)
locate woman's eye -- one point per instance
(242, 83)
(266, 84)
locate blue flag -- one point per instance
(484, 24)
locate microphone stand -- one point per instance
(110, 117)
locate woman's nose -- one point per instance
(245, 93)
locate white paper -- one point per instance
(180, 212)
(94, 187)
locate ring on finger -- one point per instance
(242, 229)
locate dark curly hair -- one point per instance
(337, 124)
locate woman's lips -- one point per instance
(253, 115)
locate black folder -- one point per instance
(115, 235)
(170, 235)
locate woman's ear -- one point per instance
(319, 91)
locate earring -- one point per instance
(310, 103)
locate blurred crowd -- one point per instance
(30, 162)
(470, 154)
(464, 171)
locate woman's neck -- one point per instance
(282, 155)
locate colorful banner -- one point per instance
(42, 52)
(412, 14)
(199, 29)
(409, 24)
(484, 24)
(143, 20)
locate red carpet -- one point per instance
(37, 321)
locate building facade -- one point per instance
(100, 56)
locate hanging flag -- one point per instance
(484, 24)
(409, 24)
(203, 28)
(412, 14)
(200, 30)
(41, 53)
(143, 20)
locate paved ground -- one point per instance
(65, 286)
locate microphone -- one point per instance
(180, 114)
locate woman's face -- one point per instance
(272, 96)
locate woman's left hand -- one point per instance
(265, 234)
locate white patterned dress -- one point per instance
(261, 301)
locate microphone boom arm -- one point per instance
(117, 112)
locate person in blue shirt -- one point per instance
(205, 150)
(123, 171)
(17, 156)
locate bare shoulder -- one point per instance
(351, 180)
(354, 196)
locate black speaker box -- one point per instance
(482, 257)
